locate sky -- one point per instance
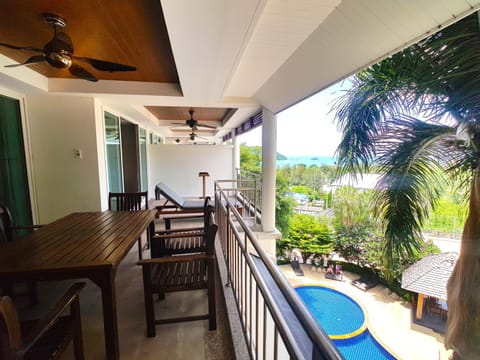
(307, 128)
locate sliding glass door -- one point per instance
(114, 153)
(143, 159)
(126, 151)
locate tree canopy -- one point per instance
(415, 117)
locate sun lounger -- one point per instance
(170, 206)
(175, 201)
(365, 282)
(296, 268)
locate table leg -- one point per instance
(106, 282)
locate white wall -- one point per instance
(58, 126)
(178, 167)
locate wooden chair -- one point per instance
(130, 202)
(44, 339)
(7, 234)
(183, 240)
(181, 273)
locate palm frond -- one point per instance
(435, 78)
(413, 161)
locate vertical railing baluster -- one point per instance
(275, 342)
(264, 329)
(256, 323)
(250, 298)
(227, 260)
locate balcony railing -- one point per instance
(275, 322)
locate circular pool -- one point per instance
(339, 315)
(344, 322)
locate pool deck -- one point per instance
(389, 317)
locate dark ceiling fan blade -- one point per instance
(81, 73)
(29, 48)
(103, 65)
(32, 60)
(206, 126)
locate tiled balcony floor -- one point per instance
(188, 340)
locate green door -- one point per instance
(14, 191)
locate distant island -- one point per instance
(304, 160)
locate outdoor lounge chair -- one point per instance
(365, 281)
(175, 204)
(334, 273)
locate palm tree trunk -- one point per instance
(463, 324)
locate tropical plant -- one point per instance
(416, 116)
(250, 158)
(352, 206)
(362, 245)
(309, 234)
(283, 205)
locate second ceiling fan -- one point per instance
(193, 124)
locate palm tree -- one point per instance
(415, 118)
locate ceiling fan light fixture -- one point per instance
(59, 60)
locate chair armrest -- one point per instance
(161, 207)
(173, 231)
(177, 235)
(52, 317)
(174, 259)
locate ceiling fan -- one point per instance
(58, 52)
(194, 124)
(193, 137)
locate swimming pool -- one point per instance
(344, 321)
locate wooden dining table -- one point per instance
(80, 245)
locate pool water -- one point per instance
(336, 312)
(362, 346)
(344, 321)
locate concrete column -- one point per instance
(269, 166)
(236, 155)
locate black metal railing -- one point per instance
(266, 302)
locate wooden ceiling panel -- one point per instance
(124, 31)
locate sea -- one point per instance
(307, 161)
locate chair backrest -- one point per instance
(128, 201)
(207, 206)
(169, 194)
(210, 231)
(6, 231)
(10, 333)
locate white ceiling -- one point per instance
(254, 53)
